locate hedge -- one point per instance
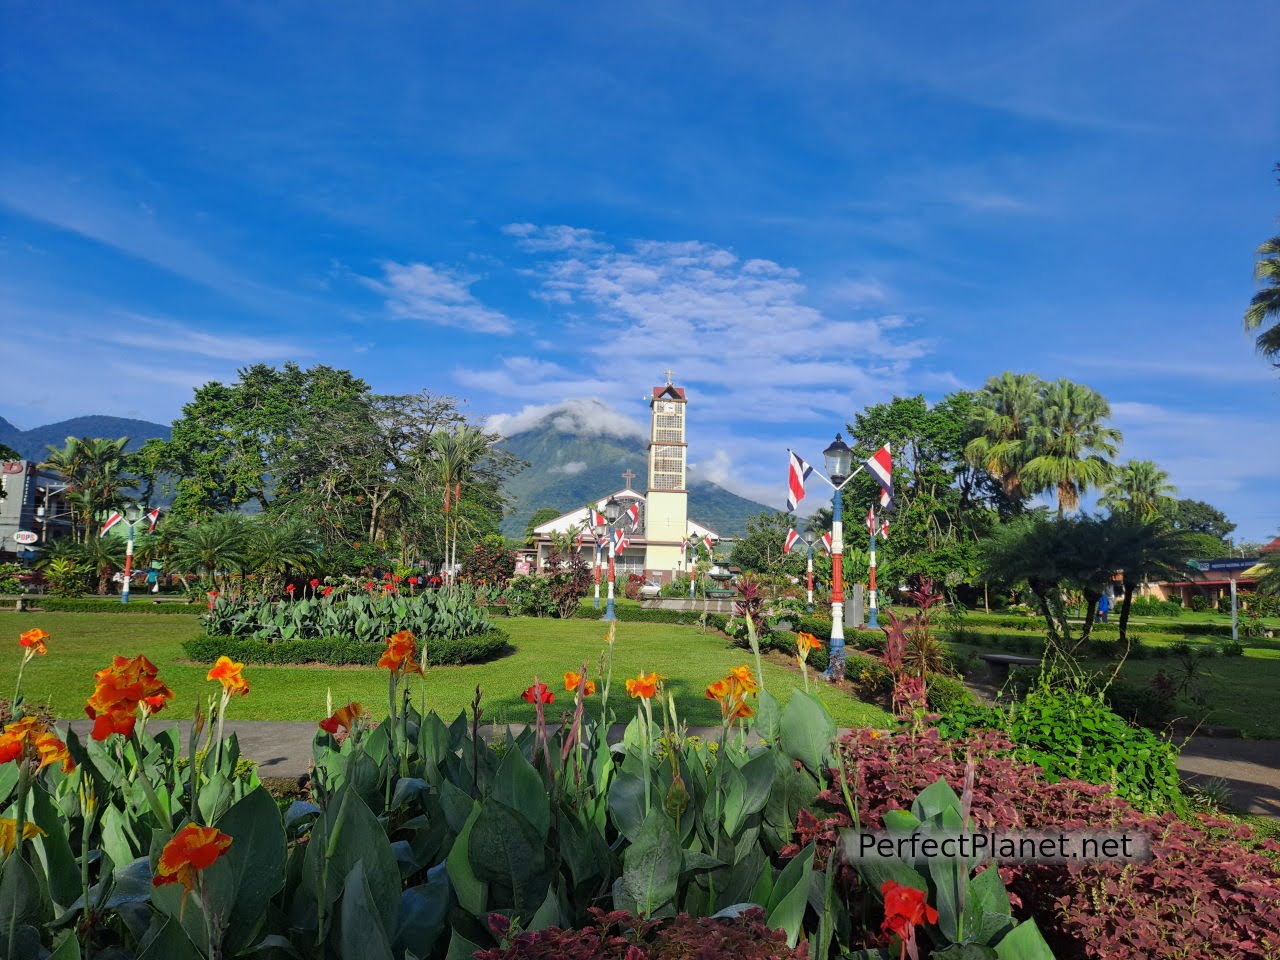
(638, 614)
(1017, 622)
(343, 651)
(107, 605)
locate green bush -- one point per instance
(1143, 705)
(946, 693)
(85, 605)
(1154, 607)
(343, 651)
(635, 613)
(1199, 604)
(1076, 735)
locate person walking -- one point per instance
(1104, 607)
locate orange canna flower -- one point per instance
(119, 690)
(230, 674)
(34, 640)
(192, 849)
(343, 718)
(574, 681)
(401, 654)
(719, 689)
(27, 738)
(805, 644)
(741, 711)
(644, 685)
(9, 833)
(744, 678)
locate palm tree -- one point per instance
(102, 555)
(456, 454)
(1264, 308)
(1139, 487)
(97, 470)
(1269, 582)
(1145, 550)
(1007, 410)
(1071, 443)
(214, 548)
(276, 547)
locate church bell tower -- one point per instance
(667, 501)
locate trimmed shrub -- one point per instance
(79, 605)
(946, 694)
(343, 651)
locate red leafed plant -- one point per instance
(1211, 889)
(618, 935)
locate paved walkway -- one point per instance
(1250, 768)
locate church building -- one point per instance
(656, 546)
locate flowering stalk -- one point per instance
(162, 814)
(88, 812)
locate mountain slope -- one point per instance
(34, 444)
(567, 469)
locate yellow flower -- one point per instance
(9, 833)
(744, 678)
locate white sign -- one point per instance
(25, 536)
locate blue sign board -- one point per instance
(1231, 563)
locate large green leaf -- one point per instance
(520, 787)
(651, 866)
(768, 717)
(424, 913)
(807, 731)
(69, 949)
(790, 896)
(1024, 942)
(471, 890)
(987, 912)
(170, 943)
(349, 834)
(747, 790)
(507, 849)
(251, 872)
(626, 804)
(60, 867)
(22, 895)
(362, 935)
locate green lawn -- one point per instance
(83, 643)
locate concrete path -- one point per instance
(1250, 768)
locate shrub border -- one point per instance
(337, 651)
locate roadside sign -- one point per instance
(1231, 563)
(25, 537)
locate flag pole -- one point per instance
(872, 623)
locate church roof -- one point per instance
(668, 390)
(576, 518)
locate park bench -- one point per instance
(1000, 663)
(722, 594)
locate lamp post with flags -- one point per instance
(809, 540)
(838, 458)
(611, 525)
(875, 526)
(131, 516)
(595, 519)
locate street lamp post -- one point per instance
(839, 462)
(612, 513)
(596, 568)
(132, 514)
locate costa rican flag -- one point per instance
(633, 515)
(884, 529)
(790, 542)
(154, 517)
(595, 518)
(871, 521)
(708, 543)
(880, 466)
(826, 541)
(581, 533)
(111, 522)
(622, 542)
(796, 476)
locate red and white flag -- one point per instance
(708, 543)
(880, 466)
(154, 517)
(826, 541)
(633, 516)
(111, 522)
(790, 542)
(581, 533)
(620, 541)
(595, 518)
(797, 474)
(871, 521)
(884, 529)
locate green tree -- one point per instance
(1139, 487)
(102, 555)
(1206, 528)
(540, 516)
(456, 454)
(215, 549)
(1005, 412)
(274, 548)
(759, 550)
(1147, 550)
(1263, 313)
(99, 473)
(1071, 443)
(1269, 582)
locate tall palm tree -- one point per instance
(1007, 409)
(1139, 487)
(455, 455)
(213, 549)
(1269, 582)
(97, 470)
(1143, 550)
(1072, 444)
(1264, 308)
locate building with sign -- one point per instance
(657, 538)
(33, 509)
(1212, 579)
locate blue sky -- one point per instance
(800, 208)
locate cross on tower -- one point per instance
(669, 373)
(627, 476)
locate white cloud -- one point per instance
(584, 417)
(571, 468)
(169, 336)
(436, 295)
(536, 239)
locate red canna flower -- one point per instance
(28, 738)
(289, 589)
(368, 584)
(314, 583)
(905, 908)
(644, 685)
(344, 718)
(805, 644)
(326, 591)
(538, 693)
(119, 690)
(401, 654)
(192, 849)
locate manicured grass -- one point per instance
(83, 643)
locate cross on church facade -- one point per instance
(627, 476)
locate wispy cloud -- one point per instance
(168, 336)
(557, 238)
(437, 295)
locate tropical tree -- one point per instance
(1006, 412)
(1263, 313)
(274, 548)
(455, 454)
(213, 549)
(1072, 444)
(1139, 487)
(1145, 550)
(1269, 582)
(99, 473)
(102, 555)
